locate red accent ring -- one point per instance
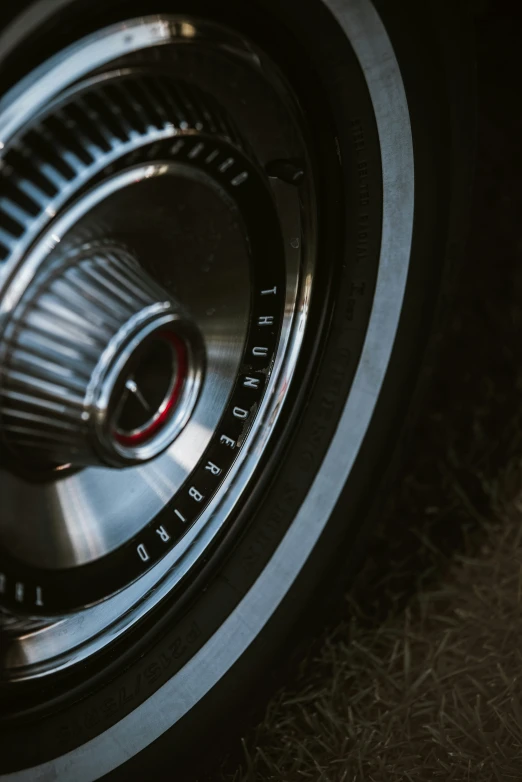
(141, 436)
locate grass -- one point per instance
(420, 678)
(432, 692)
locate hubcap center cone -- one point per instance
(102, 365)
(152, 388)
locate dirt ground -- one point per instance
(421, 676)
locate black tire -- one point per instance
(153, 701)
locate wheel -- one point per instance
(226, 231)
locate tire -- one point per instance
(387, 92)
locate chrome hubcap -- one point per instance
(157, 272)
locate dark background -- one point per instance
(419, 674)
